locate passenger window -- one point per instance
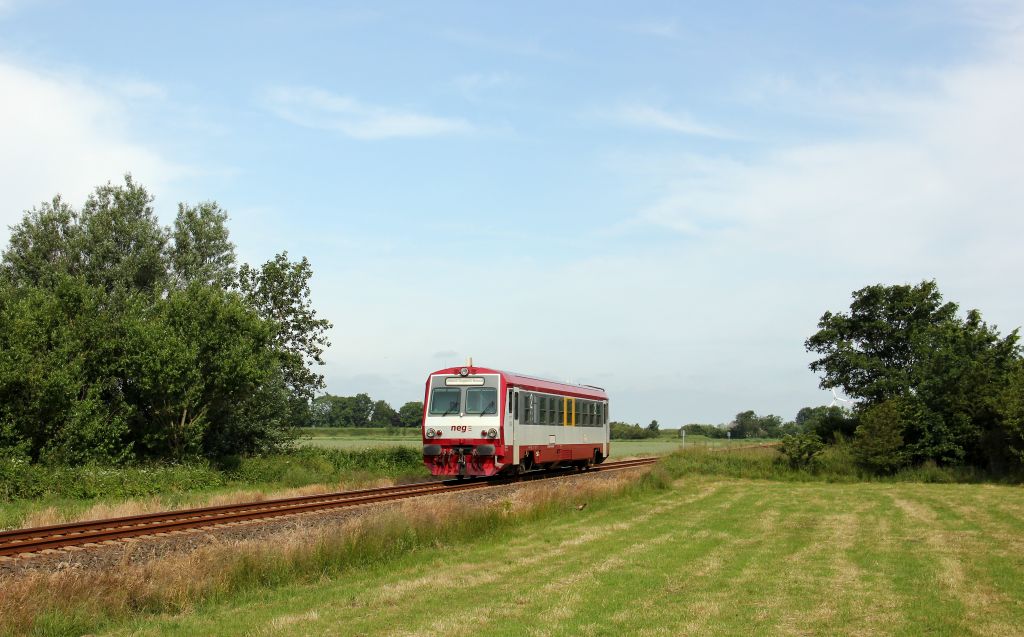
(560, 418)
(509, 402)
(600, 414)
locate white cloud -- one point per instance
(939, 187)
(316, 108)
(677, 122)
(61, 135)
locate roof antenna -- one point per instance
(469, 362)
(837, 399)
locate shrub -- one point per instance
(801, 450)
(878, 441)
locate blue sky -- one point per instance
(660, 198)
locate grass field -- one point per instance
(709, 556)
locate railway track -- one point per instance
(92, 532)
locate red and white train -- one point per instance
(482, 422)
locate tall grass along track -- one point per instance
(21, 542)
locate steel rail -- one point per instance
(31, 540)
(209, 511)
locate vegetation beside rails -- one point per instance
(835, 463)
(27, 487)
(75, 602)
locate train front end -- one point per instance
(462, 422)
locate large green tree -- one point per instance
(411, 414)
(201, 251)
(749, 425)
(903, 342)
(121, 338)
(279, 291)
(384, 415)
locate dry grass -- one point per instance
(79, 600)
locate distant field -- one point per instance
(709, 557)
(360, 432)
(357, 438)
(619, 447)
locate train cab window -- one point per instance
(481, 400)
(444, 401)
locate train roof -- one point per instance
(532, 382)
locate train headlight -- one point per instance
(492, 433)
(430, 432)
(464, 371)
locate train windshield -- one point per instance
(444, 401)
(482, 400)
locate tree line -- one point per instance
(626, 431)
(122, 339)
(362, 411)
(930, 384)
